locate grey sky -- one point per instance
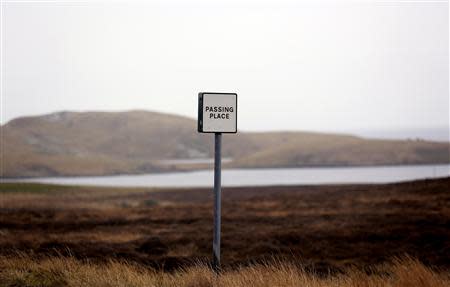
(321, 65)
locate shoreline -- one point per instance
(255, 177)
(225, 168)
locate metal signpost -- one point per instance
(217, 113)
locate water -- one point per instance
(262, 177)
(193, 160)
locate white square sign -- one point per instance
(217, 112)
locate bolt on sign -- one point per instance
(217, 112)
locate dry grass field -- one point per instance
(340, 235)
(52, 272)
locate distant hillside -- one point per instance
(100, 143)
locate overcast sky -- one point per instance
(347, 66)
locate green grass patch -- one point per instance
(20, 187)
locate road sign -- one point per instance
(217, 112)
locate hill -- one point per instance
(100, 143)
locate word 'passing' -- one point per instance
(219, 112)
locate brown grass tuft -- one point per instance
(58, 271)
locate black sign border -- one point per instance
(200, 112)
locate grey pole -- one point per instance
(217, 199)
